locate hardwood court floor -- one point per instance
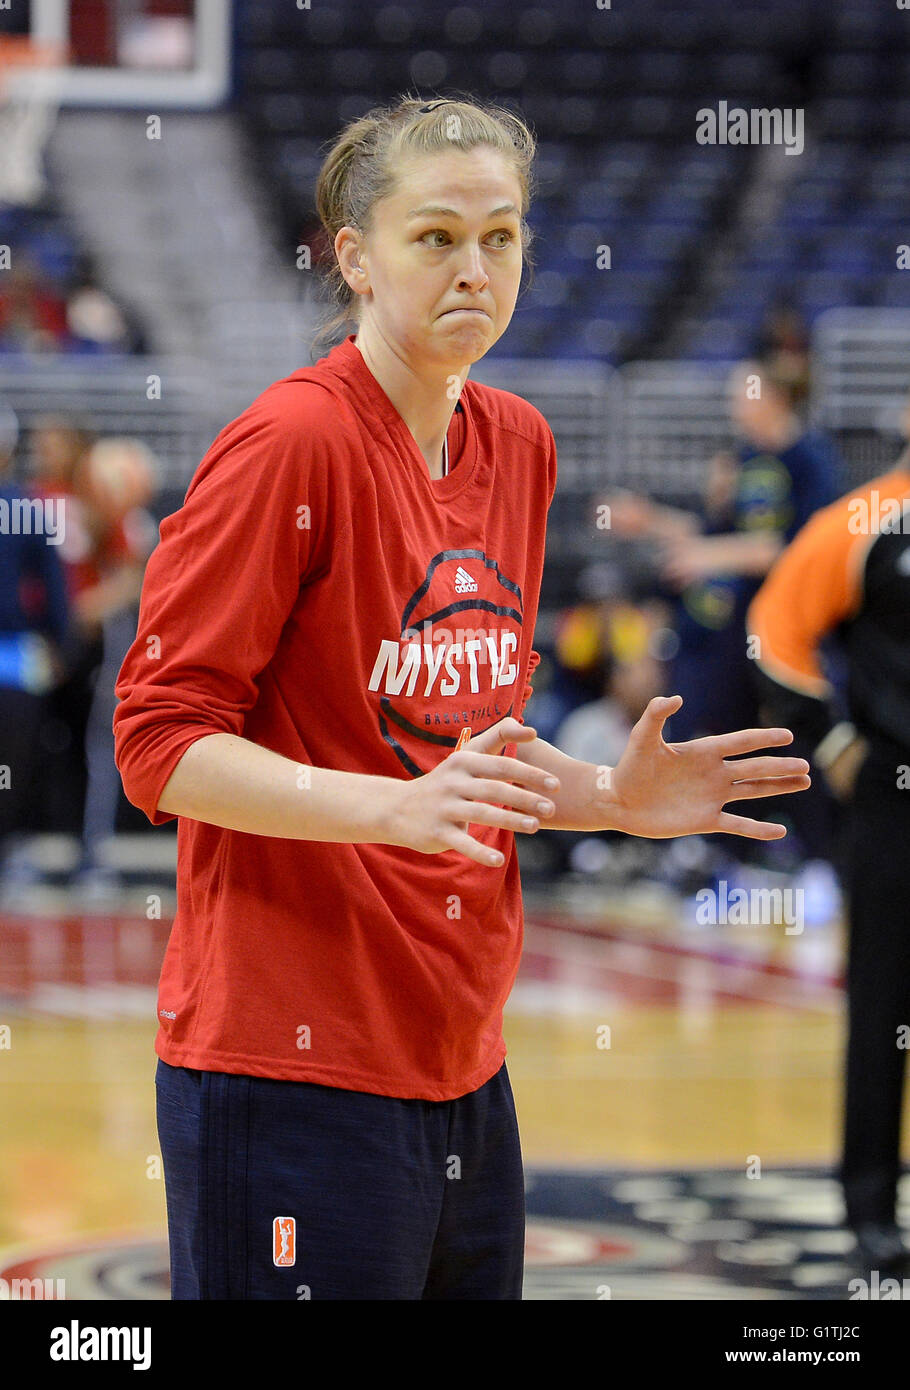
(719, 1048)
(720, 1051)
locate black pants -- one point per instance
(878, 986)
(292, 1190)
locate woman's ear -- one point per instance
(349, 251)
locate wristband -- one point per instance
(833, 744)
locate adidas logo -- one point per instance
(464, 584)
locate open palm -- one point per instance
(665, 789)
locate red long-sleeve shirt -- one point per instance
(319, 594)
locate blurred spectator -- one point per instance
(33, 629)
(106, 485)
(93, 319)
(117, 479)
(57, 444)
(598, 731)
(784, 338)
(32, 314)
(621, 646)
(755, 502)
(40, 315)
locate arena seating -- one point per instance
(628, 172)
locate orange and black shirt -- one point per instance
(847, 573)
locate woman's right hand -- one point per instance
(432, 813)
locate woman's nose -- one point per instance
(473, 273)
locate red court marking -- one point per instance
(709, 948)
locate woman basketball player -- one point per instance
(351, 582)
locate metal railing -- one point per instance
(651, 426)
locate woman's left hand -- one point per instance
(664, 789)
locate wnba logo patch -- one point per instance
(284, 1241)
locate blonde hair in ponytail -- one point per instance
(361, 166)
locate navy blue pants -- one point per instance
(291, 1190)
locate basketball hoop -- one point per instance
(29, 101)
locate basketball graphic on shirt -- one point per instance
(457, 660)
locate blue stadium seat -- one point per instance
(615, 94)
(720, 340)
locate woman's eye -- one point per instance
(503, 232)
